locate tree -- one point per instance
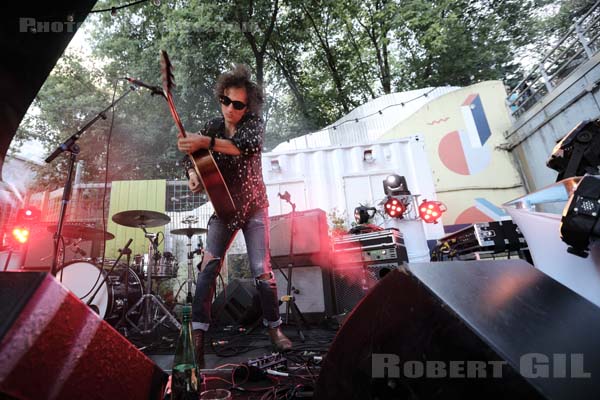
(317, 59)
(459, 42)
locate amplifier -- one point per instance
(370, 248)
(494, 237)
(311, 239)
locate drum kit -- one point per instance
(115, 290)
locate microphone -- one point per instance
(154, 89)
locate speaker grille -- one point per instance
(351, 283)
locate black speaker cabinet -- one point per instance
(476, 329)
(311, 239)
(237, 304)
(352, 282)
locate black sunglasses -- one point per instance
(226, 101)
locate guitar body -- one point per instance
(203, 162)
(213, 182)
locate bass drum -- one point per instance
(83, 278)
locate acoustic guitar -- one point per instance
(202, 160)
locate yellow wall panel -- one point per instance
(147, 195)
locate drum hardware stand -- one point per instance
(121, 252)
(190, 258)
(190, 232)
(72, 147)
(289, 299)
(127, 252)
(148, 298)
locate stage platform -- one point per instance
(228, 347)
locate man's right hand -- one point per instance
(194, 183)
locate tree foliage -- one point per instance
(317, 59)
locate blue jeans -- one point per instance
(219, 238)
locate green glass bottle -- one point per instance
(184, 376)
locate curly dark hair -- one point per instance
(239, 77)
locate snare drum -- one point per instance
(82, 279)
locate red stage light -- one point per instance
(394, 207)
(21, 235)
(431, 211)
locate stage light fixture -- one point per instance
(363, 214)
(578, 152)
(20, 234)
(395, 185)
(431, 211)
(580, 224)
(28, 215)
(394, 207)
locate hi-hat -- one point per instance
(189, 232)
(141, 218)
(82, 232)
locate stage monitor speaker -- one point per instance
(311, 238)
(237, 304)
(475, 329)
(53, 346)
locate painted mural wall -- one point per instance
(462, 131)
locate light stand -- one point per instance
(71, 146)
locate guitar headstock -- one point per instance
(166, 72)
(168, 82)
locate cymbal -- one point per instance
(82, 232)
(189, 232)
(141, 218)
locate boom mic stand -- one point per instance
(123, 319)
(72, 147)
(289, 299)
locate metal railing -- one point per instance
(577, 46)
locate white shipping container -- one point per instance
(342, 178)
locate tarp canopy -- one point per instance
(33, 36)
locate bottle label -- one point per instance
(184, 382)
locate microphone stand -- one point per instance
(290, 301)
(72, 147)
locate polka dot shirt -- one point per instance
(242, 174)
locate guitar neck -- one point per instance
(175, 115)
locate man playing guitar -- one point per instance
(236, 141)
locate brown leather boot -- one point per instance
(198, 336)
(279, 340)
